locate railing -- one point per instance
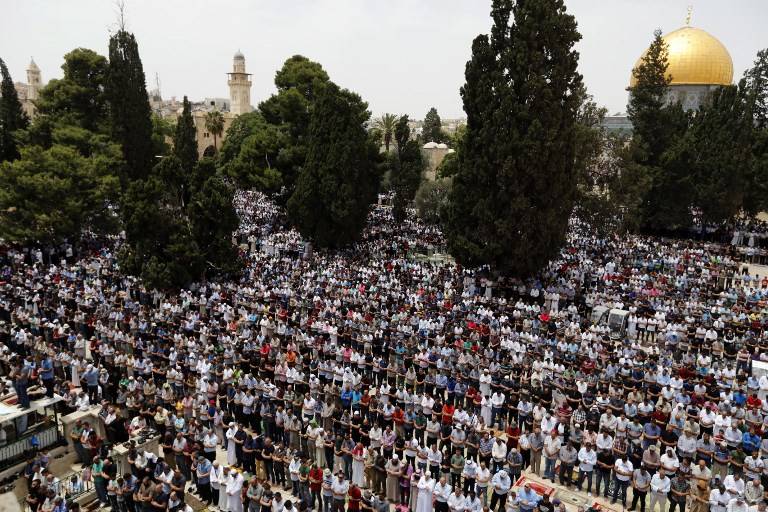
(72, 487)
(15, 451)
(72, 490)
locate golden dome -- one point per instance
(695, 57)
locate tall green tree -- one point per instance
(214, 124)
(386, 123)
(432, 128)
(130, 113)
(756, 84)
(407, 168)
(515, 187)
(162, 133)
(656, 125)
(12, 116)
(756, 89)
(339, 180)
(598, 170)
(716, 151)
(291, 109)
(161, 247)
(174, 242)
(213, 220)
(185, 138)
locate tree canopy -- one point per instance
(252, 153)
(79, 97)
(51, 195)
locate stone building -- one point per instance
(30, 91)
(239, 102)
(434, 153)
(239, 86)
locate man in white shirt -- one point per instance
(719, 499)
(457, 502)
(737, 504)
(622, 474)
(499, 453)
(660, 485)
(441, 492)
(552, 444)
(734, 484)
(587, 460)
(497, 402)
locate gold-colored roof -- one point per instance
(695, 57)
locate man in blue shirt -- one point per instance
(652, 432)
(527, 499)
(750, 441)
(91, 376)
(46, 375)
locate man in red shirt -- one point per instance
(399, 418)
(315, 486)
(448, 410)
(354, 497)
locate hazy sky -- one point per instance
(401, 56)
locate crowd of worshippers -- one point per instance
(367, 379)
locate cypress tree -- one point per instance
(185, 138)
(339, 180)
(514, 189)
(12, 116)
(130, 112)
(656, 125)
(406, 169)
(432, 128)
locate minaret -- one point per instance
(239, 86)
(33, 81)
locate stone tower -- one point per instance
(239, 86)
(34, 82)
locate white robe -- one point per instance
(424, 501)
(358, 470)
(231, 454)
(235, 500)
(75, 366)
(485, 412)
(223, 498)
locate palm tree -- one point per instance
(386, 123)
(214, 123)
